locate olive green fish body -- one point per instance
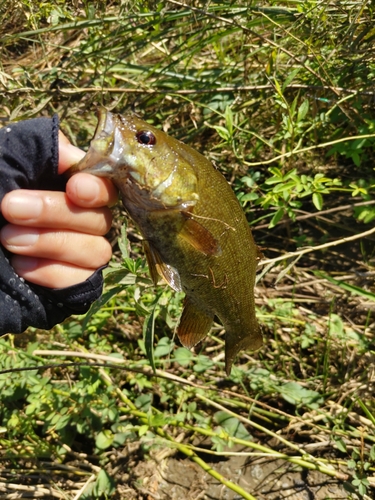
(196, 234)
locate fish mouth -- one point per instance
(105, 148)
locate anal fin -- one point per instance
(194, 324)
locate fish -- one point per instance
(195, 233)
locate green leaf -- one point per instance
(292, 113)
(250, 182)
(120, 276)
(286, 186)
(369, 414)
(336, 326)
(143, 402)
(123, 242)
(120, 438)
(358, 144)
(303, 110)
(104, 439)
(157, 420)
(149, 334)
(278, 88)
(104, 484)
(219, 444)
(100, 303)
(62, 422)
(295, 394)
(143, 429)
(232, 425)
(183, 356)
(317, 199)
(273, 180)
(276, 218)
(276, 172)
(140, 309)
(229, 120)
(356, 159)
(163, 348)
(113, 414)
(288, 80)
(223, 132)
(356, 290)
(362, 484)
(249, 197)
(204, 363)
(340, 445)
(365, 213)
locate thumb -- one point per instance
(68, 154)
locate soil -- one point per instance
(175, 477)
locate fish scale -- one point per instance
(196, 235)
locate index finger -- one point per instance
(53, 209)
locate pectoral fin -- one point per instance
(194, 324)
(158, 268)
(200, 238)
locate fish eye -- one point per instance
(146, 137)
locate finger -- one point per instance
(68, 154)
(82, 250)
(49, 273)
(86, 190)
(53, 209)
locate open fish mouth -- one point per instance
(103, 154)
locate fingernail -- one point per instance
(87, 189)
(24, 264)
(14, 236)
(24, 207)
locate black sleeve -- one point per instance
(29, 160)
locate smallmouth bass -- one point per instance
(196, 235)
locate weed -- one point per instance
(279, 96)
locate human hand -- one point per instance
(57, 238)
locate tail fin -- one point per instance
(237, 341)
